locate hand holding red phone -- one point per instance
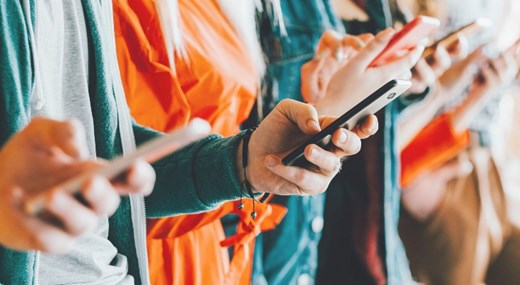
(357, 78)
(334, 50)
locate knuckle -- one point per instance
(69, 129)
(299, 177)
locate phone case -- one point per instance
(407, 38)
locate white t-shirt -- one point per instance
(63, 59)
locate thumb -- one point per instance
(303, 115)
(367, 55)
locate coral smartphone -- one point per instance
(373, 103)
(407, 38)
(468, 30)
(149, 152)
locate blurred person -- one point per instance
(288, 253)
(167, 88)
(360, 242)
(86, 85)
(224, 110)
(460, 197)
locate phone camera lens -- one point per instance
(391, 96)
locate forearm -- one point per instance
(416, 117)
(197, 178)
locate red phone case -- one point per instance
(407, 38)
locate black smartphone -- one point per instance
(373, 103)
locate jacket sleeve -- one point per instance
(199, 177)
(437, 143)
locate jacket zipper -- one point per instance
(138, 210)
(32, 30)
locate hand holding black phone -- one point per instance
(373, 103)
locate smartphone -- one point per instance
(407, 38)
(373, 103)
(150, 152)
(468, 30)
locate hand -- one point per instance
(460, 76)
(35, 161)
(495, 74)
(287, 126)
(355, 80)
(426, 71)
(423, 197)
(333, 52)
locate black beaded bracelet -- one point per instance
(246, 186)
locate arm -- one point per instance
(432, 147)
(209, 172)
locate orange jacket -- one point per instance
(215, 82)
(433, 146)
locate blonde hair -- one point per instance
(241, 15)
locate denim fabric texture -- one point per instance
(289, 254)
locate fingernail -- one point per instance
(373, 128)
(313, 125)
(314, 153)
(270, 161)
(343, 137)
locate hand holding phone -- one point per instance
(468, 31)
(407, 38)
(373, 103)
(149, 152)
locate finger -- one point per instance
(46, 238)
(101, 196)
(326, 161)
(330, 40)
(373, 49)
(402, 64)
(459, 49)
(75, 218)
(304, 115)
(325, 121)
(366, 38)
(140, 179)
(346, 141)
(306, 181)
(423, 75)
(353, 42)
(368, 128)
(309, 76)
(325, 74)
(35, 233)
(69, 136)
(499, 66)
(441, 60)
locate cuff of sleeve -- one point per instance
(432, 147)
(215, 171)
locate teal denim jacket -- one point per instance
(288, 255)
